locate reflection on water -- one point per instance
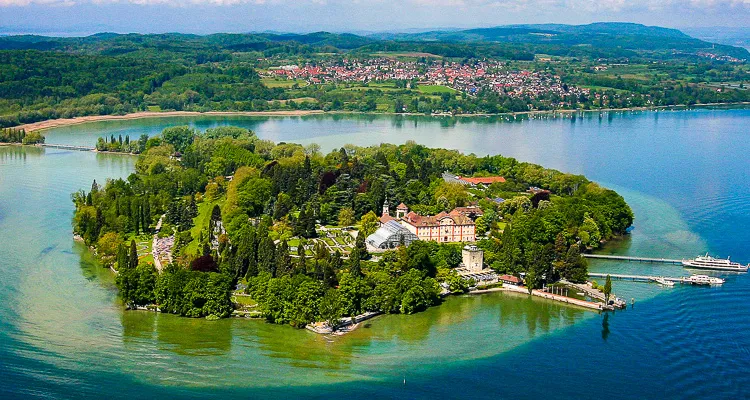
(605, 326)
(63, 329)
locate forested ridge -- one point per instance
(104, 74)
(240, 210)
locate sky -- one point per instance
(82, 17)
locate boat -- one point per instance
(708, 262)
(703, 280)
(663, 282)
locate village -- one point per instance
(467, 78)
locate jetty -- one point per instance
(688, 280)
(66, 147)
(637, 259)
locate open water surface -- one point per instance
(63, 333)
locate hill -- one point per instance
(557, 39)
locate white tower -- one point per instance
(385, 207)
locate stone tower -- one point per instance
(473, 258)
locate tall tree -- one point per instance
(133, 258)
(607, 288)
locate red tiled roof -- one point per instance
(485, 180)
(509, 278)
(385, 218)
(402, 206)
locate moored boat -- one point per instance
(708, 262)
(703, 280)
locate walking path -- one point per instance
(161, 248)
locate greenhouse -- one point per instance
(391, 235)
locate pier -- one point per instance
(638, 259)
(647, 278)
(66, 147)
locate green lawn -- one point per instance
(200, 222)
(281, 83)
(435, 89)
(246, 301)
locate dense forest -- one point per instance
(244, 211)
(45, 77)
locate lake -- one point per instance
(63, 333)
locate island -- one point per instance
(220, 222)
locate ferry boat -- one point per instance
(703, 280)
(708, 262)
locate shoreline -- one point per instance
(62, 122)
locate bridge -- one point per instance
(638, 259)
(66, 147)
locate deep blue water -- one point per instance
(685, 174)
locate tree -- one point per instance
(607, 289)
(331, 308)
(133, 257)
(451, 195)
(589, 232)
(361, 246)
(179, 136)
(355, 267)
(346, 217)
(283, 259)
(530, 280)
(368, 224)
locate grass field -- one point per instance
(435, 89)
(200, 222)
(281, 83)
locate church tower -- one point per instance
(386, 211)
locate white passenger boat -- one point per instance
(708, 262)
(703, 280)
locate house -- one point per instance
(509, 280)
(443, 228)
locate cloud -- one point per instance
(509, 5)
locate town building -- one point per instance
(443, 228)
(509, 280)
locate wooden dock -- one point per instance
(638, 259)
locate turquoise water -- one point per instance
(63, 333)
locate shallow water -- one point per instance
(64, 334)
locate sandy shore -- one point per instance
(55, 123)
